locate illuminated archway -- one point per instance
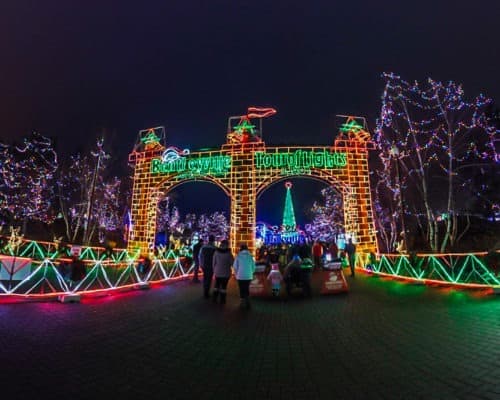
(168, 188)
(286, 213)
(243, 167)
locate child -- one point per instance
(275, 277)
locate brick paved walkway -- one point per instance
(383, 340)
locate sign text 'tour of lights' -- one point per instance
(300, 159)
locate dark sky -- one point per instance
(74, 69)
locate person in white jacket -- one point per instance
(244, 268)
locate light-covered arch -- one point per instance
(162, 189)
(169, 184)
(317, 175)
(243, 169)
(347, 192)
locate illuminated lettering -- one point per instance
(300, 160)
(209, 165)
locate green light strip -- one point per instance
(150, 138)
(350, 126)
(462, 270)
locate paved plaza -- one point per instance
(382, 340)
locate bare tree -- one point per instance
(433, 138)
(89, 203)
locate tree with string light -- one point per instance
(327, 218)
(432, 143)
(89, 202)
(108, 206)
(213, 224)
(27, 180)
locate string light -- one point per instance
(27, 179)
(343, 165)
(438, 134)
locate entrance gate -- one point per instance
(243, 167)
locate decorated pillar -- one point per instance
(143, 206)
(358, 212)
(243, 195)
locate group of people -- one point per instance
(219, 262)
(283, 254)
(349, 253)
(297, 271)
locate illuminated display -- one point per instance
(351, 126)
(150, 138)
(38, 273)
(243, 168)
(300, 159)
(244, 126)
(260, 112)
(210, 165)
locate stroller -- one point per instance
(297, 276)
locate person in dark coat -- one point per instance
(223, 261)
(350, 249)
(196, 254)
(78, 270)
(206, 263)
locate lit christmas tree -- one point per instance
(289, 224)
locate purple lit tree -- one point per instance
(74, 186)
(108, 206)
(327, 214)
(434, 143)
(89, 203)
(214, 224)
(163, 214)
(169, 220)
(5, 161)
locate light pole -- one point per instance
(394, 151)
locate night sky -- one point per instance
(74, 70)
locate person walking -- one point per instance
(350, 249)
(206, 263)
(244, 268)
(223, 260)
(196, 260)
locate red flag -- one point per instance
(259, 112)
